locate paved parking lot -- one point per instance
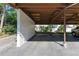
(44, 48)
(53, 37)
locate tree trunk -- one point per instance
(2, 19)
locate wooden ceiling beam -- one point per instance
(30, 9)
(39, 6)
(62, 11)
(48, 7)
(74, 16)
(51, 11)
(47, 10)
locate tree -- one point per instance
(10, 23)
(8, 19)
(2, 16)
(61, 28)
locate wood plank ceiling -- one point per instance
(46, 13)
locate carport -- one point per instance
(29, 14)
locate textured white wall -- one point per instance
(25, 27)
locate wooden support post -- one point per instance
(64, 43)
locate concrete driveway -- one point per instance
(7, 42)
(43, 48)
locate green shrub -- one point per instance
(9, 29)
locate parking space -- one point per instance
(53, 37)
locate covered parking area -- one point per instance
(29, 14)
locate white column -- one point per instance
(25, 27)
(18, 27)
(20, 39)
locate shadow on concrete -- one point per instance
(59, 43)
(53, 37)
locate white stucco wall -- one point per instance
(25, 28)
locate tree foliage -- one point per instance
(46, 28)
(9, 23)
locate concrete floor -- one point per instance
(43, 48)
(7, 42)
